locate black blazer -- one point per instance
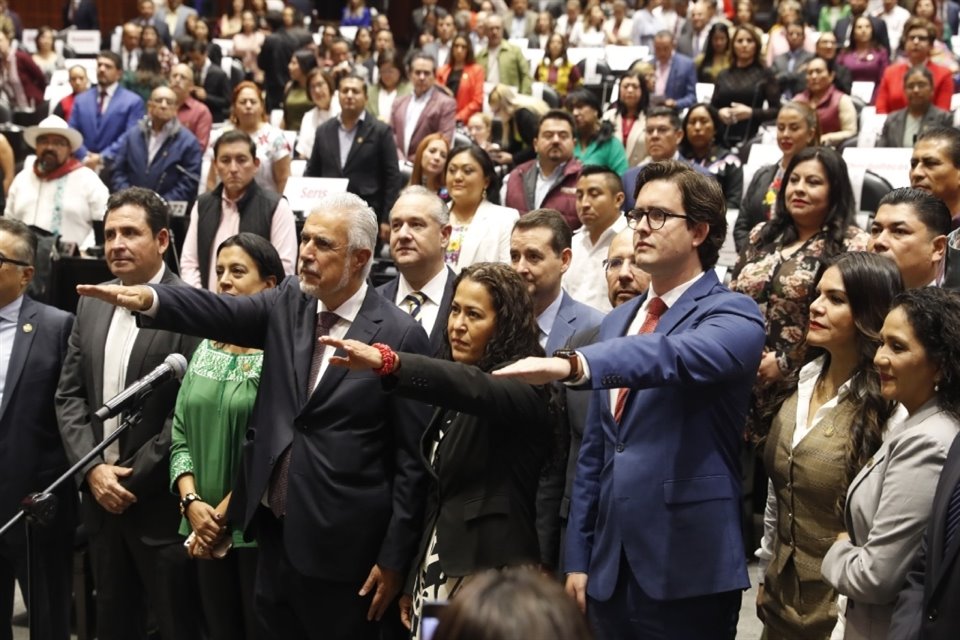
(389, 291)
(356, 485)
(85, 17)
(927, 606)
(31, 453)
(753, 211)
(146, 447)
(497, 433)
(843, 31)
(217, 86)
(371, 163)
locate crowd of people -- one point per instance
(555, 375)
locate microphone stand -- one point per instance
(40, 509)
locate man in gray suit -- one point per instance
(790, 67)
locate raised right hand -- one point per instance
(576, 588)
(137, 298)
(104, 483)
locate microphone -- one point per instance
(187, 173)
(174, 366)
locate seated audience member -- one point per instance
(520, 115)
(249, 115)
(150, 39)
(549, 180)
(865, 57)
(790, 66)
(835, 110)
(716, 55)
(935, 167)
(845, 30)
(692, 36)
(427, 110)
(741, 90)
(104, 113)
(675, 76)
(212, 86)
(79, 82)
(429, 164)
(699, 147)
(480, 128)
(129, 50)
(902, 127)
(479, 228)
(627, 115)
(556, 69)
(57, 195)
(463, 77)
(369, 161)
(237, 204)
(788, 12)
(391, 84)
(158, 153)
(46, 57)
(618, 28)
(894, 17)
(231, 22)
(192, 114)
(419, 235)
(442, 46)
(932, 10)
(176, 16)
(830, 13)
(356, 13)
(599, 198)
(341, 61)
(540, 252)
(542, 30)
(889, 503)
(502, 62)
(595, 142)
(919, 36)
(827, 49)
(322, 92)
(797, 129)
(201, 34)
(828, 423)
(911, 228)
(146, 77)
(296, 95)
(363, 49)
(662, 138)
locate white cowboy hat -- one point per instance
(53, 125)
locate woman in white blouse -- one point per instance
(589, 32)
(320, 87)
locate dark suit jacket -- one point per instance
(145, 447)
(439, 116)
(419, 14)
(927, 606)
(217, 86)
(572, 317)
(273, 59)
(84, 18)
(389, 291)
(496, 434)
(356, 484)
(31, 453)
(791, 80)
(682, 81)
(102, 132)
(663, 486)
(896, 122)
(843, 32)
(371, 163)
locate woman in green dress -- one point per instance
(209, 423)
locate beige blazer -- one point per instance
(888, 505)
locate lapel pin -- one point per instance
(359, 140)
(27, 328)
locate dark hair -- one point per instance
(928, 209)
(197, 46)
(234, 135)
(154, 207)
(950, 135)
(686, 149)
(873, 32)
(483, 159)
(611, 177)
(318, 72)
(756, 39)
(666, 112)
(561, 237)
(153, 28)
(470, 59)
(557, 114)
(306, 59)
(516, 333)
(830, 64)
(708, 53)
(112, 57)
(922, 70)
(149, 71)
(357, 34)
(563, 48)
(419, 54)
(27, 239)
(840, 215)
(393, 57)
(703, 202)
(582, 98)
(511, 604)
(912, 24)
(932, 313)
(274, 20)
(640, 77)
(259, 249)
(353, 75)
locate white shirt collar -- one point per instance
(350, 308)
(546, 319)
(670, 297)
(11, 312)
(433, 290)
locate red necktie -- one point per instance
(655, 309)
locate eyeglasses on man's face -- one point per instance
(20, 263)
(656, 217)
(614, 265)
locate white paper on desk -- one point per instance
(303, 193)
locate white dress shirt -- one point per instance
(586, 279)
(415, 109)
(348, 313)
(433, 293)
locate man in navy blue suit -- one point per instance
(674, 74)
(103, 113)
(654, 547)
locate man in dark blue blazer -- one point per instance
(419, 233)
(654, 547)
(332, 484)
(679, 89)
(33, 343)
(105, 112)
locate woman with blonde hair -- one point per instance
(520, 115)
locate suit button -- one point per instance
(619, 447)
(932, 616)
(271, 460)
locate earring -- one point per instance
(936, 388)
(484, 195)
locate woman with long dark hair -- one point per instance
(487, 442)
(596, 143)
(463, 77)
(865, 57)
(627, 115)
(296, 96)
(829, 421)
(556, 69)
(699, 147)
(716, 54)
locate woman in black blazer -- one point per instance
(488, 438)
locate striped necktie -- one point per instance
(413, 303)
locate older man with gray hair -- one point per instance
(333, 485)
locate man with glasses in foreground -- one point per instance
(654, 547)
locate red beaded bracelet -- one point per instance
(389, 357)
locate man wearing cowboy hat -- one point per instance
(57, 195)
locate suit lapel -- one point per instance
(101, 316)
(562, 327)
(420, 129)
(303, 344)
(436, 336)
(941, 559)
(22, 341)
(363, 129)
(333, 147)
(687, 303)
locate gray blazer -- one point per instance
(896, 122)
(888, 505)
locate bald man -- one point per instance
(192, 114)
